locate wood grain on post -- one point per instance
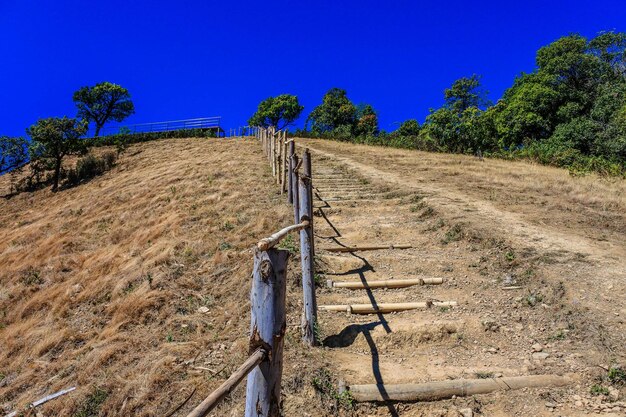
(283, 164)
(273, 151)
(386, 307)
(439, 390)
(229, 385)
(267, 330)
(308, 172)
(290, 182)
(277, 156)
(309, 317)
(296, 187)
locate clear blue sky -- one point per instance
(202, 58)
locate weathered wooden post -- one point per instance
(308, 172)
(273, 153)
(283, 164)
(296, 188)
(309, 316)
(267, 330)
(290, 182)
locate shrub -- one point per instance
(91, 166)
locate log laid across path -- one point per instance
(439, 390)
(365, 248)
(389, 283)
(385, 307)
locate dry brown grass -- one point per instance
(590, 207)
(101, 283)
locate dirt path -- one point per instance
(477, 243)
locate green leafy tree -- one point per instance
(461, 125)
(102, 103)
(367, 121)
(528, 110)
(280, 112)
(464, 93)
(53, 139)
(409, 127)
(13, 153)
(610, 48)
(335, 111)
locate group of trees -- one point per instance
(52, 139)
(570, 111)
(337, 115)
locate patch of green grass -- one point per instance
(91, 406)
(289, 243)
(533, 299)
(319, 280)
(130, 287)
(428, 212)
(2, 376)
(510, 256)
(484, 375)
(322, 381)
(317, 333)
(438, 225)
(225, 246)
(444, 309)
(227, 226)
(32, 277)
(560, 335)
(598, 390)
(453, 234)
(617, 375)
(169, 338)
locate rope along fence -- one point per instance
(268, 322)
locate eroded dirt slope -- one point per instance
(483, 226)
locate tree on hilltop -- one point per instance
(279, 112)
(336, 111)
(103, 102)
(13, 153)
(53, 139)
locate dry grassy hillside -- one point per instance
(134, 287)
(101, 284)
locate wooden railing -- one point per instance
(268, 321)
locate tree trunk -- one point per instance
(57, 174)
(98, 127)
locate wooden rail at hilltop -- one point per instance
(268, 323)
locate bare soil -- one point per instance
(106, 286)
(481, 225)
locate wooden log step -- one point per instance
(366, 248)
(385, 307)
(440, 390)
(389, 283)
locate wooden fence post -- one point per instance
(309, 317)
(267, 330)
(271, 139)
(283, 163)
(296, 188)
(308, 172)
(290, 182)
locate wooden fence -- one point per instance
(268, 323)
